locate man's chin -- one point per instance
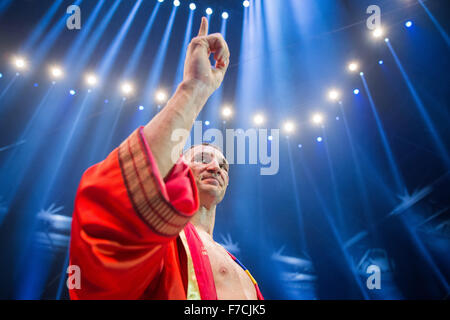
(210, 190)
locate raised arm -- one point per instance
(130, 207)
(200, 80)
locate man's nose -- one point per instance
(213, 166)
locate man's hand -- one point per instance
(199, 82)
(198, 68)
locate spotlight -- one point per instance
(20, 63)
(126, 88)
(386, 39)
(408, 24)
(246, 3)
(317, 118)
(270, 138)
(207, 123)
(192, 6)
(289, 127)
(160, 0)
(319, 139)
(333, 95)
(1, 75)
(300, 146)
(161, 96)
(56, 72)
(209, 11)
(258, 119)
(72, 92)
(377, 33)
(225, 15)
(353, 66)
(176, 3)
(227, 111)
(141, 108)
(361, 73)
(380, 62)
(356, 92)
(91, 79)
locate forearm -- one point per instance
(179, 113)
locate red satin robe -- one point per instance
(131, 235)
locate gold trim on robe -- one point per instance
(193, 292)
(144, 191)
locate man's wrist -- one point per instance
(196, 91)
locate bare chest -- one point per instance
(231, 281)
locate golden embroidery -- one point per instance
(193, 292)
(143, 190)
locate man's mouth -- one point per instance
(212, 180)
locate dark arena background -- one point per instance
(362, 186)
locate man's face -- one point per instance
(210, 169)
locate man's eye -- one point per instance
(202, 159)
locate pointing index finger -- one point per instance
(203, 27)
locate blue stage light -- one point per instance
(209, 11)
(161, 97)
(289, 127)
(300, 146)
(141, 107)
(20, 63)
(319, 139)
(192, 6)
(56, 72)
(337, 118)
(207, 123)
(176, 3)
(361, 73)
(72, 92)
(380, 62)
(246, 3)
(408, 24)
(270, 138)
(1, 75)
(353, 66)
(227, 111)
(258, 119)
(36, 85)
(106, 101)
(356, 91)
(333, 95)
(225, 15)
(91, 79)
(317, 119)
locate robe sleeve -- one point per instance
(124, 218)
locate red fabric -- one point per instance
(202, 266)
(120, 257)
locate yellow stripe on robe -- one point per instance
(193, 292)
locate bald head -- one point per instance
(210, 169)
